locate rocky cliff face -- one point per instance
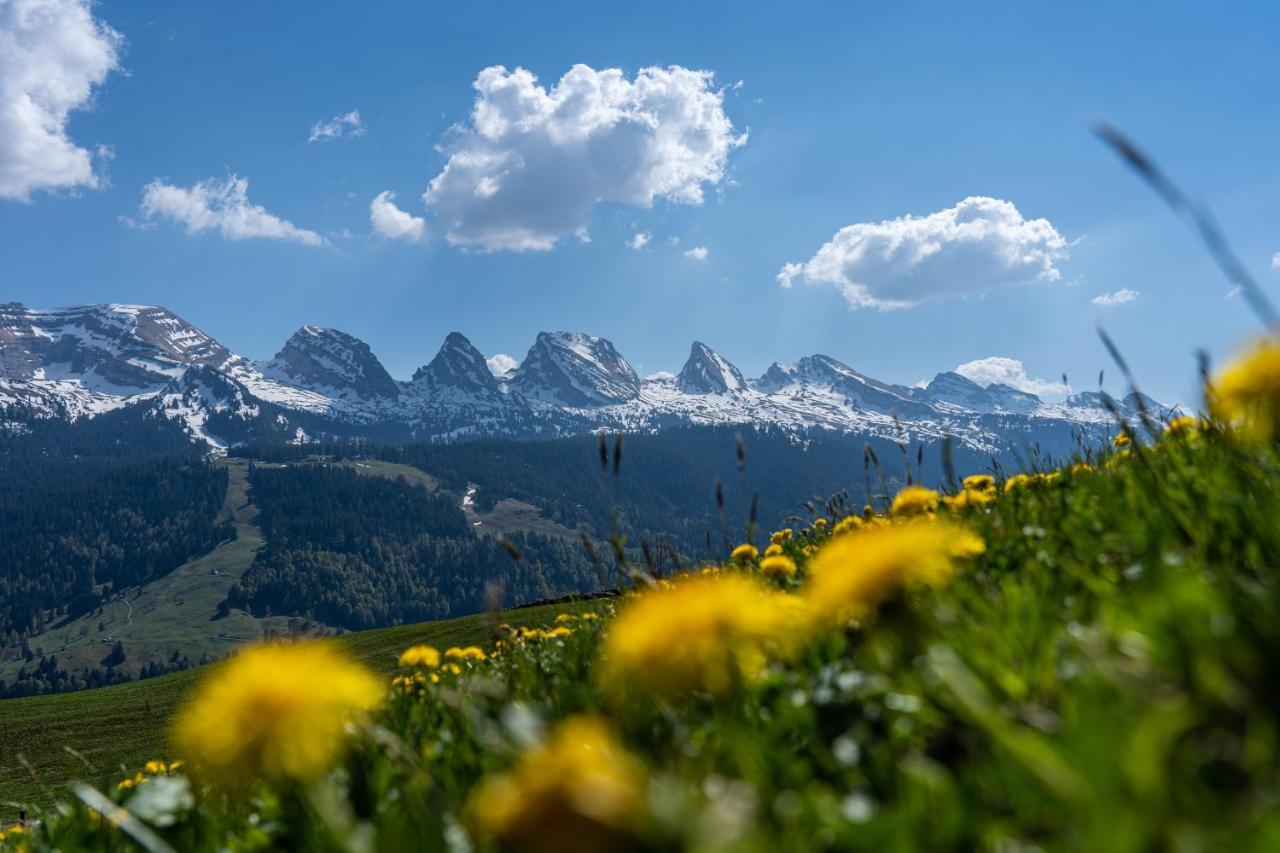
(331, 362)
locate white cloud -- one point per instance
(501, 364)
(221, 206)
(392, 222)
(979, 244)
(338, 127)
(698, 253)
(1275, 261)
(52, 55)
(533, 162)
(660, 376)
(1008, 371)
(1118, 297)
(639, 241)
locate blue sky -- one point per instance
(853, 113)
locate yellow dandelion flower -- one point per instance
(968, 498)
(155, 767)
(557, 632)
(124, 784)
(1247, 392)
(847, 524)
(1082, 468)
(780, 536)
(698, 634)
(452, 668)
(819, 523)
(778, 566)
(773, 551)
(420, 656)
(273, 711)
(1017, 481)
(590, 617)
(914, 500)
(744, 553)
(581, 790)
(175, 766)
(564, 618)
(1121, 440)
(851, 575)
(468, 653)
(979, 483)
(1182, 426)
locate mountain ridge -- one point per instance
(81, 361)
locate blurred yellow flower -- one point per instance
(273, 711)
(847, 524)
(420, 656)
(1121, 440)
(700, 633)
(969, 498)
(773, 550)
(778, 566)
(1247, 392)
(780, 536)
(979, 483)
(1185, 425)
(467, 653)
(1017, 481)
(851, 575)
(914, 500)
(819, 523)
(581, 790)
(745, 553)
(155, 767)
(565, 618)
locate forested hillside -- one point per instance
(361, 552)
(89, 508)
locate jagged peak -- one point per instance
(575, 369)
(320, 358)
(707, 372)
(458, 364)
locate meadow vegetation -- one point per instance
(1080, 657)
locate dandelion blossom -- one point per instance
(1247, 392)
(468, 653)
(914, 500)
(700, 633)
(744, 553)
(1185, 425)
(853, 574)
(979, 483)
(778, 566)
(581, 790)
(273, 711)
(420, 656)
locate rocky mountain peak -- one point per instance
(707, 372)
(458, 365)
(575, 369)
(331, 361)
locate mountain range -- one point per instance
(85, 360)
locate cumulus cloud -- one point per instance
(640, 240)
(1116, 297)
(533, 162)
(1008, 371)
(698, 253)
(52, 55)
(338, 127)
(979, 244)
(392, 222)
(221, 206)
(501, 364)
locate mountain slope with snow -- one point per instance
(83, 360)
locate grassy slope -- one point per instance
(127, 724)
(174, 613)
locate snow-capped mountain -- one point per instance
(458, 369)
(332, 363)
(706, 372)
(81, 361)
(576, 370)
